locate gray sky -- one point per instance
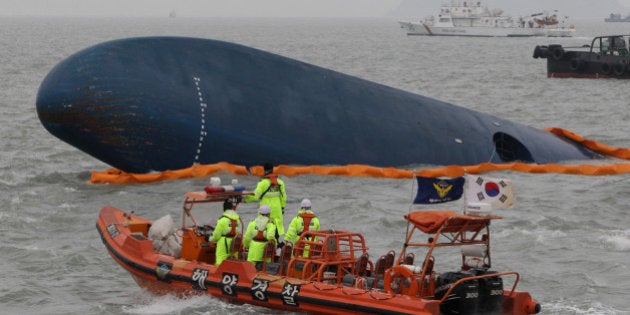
(229, 8)
(257, 8)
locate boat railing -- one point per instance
(488, 275)
(446, 229)
(326, 256)
(424, 284)
(453, 230)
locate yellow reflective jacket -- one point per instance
(223, 234)
(296, 227)
(259, 231)
(274, 196)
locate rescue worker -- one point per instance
(226, 229)
(259, 232)
(270, 191)
(305, 220)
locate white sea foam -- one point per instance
(202, 304)
(168, 304)
(617, 240)
(588, 308)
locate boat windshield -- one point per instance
(208, 214)
(611, 45)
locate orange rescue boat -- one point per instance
(324, 272)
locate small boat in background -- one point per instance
(546, 19)
(616, 17)
(471, 18)
(325, 272)
(605, 57)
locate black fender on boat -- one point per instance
(605, 68)
(619, 68)
(541, 52)
(576, 64)
(557, 53)
(163, 103)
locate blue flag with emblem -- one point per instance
(438, 190)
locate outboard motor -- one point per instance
(464, 299)
(490, 293)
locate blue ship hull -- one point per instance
(163, 103)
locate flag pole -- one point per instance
(404, 250)
(465, 199)
(411, 205)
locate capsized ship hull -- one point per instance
(162, 103)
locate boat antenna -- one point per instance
(413, 184)
(465, 199)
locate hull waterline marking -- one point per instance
(202, 131)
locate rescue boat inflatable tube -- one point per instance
(166, 103)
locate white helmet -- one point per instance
(264, 209)
(306, 204)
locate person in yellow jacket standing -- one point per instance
(305, 220)
(227, 227)
(259, 232)
(271, 191)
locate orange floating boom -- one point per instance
(358, 170)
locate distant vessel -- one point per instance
(616, 17)
(173, 14)
(471, 18)
(606, 57)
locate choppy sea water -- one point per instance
(568, 235)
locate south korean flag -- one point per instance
(495, 191)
